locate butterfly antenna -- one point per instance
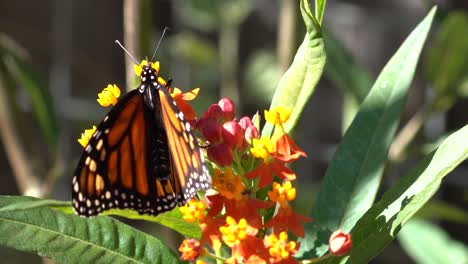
(126, 51)
(159, 42)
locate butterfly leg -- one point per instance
(168, 83)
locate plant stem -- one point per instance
(286, 33)
(316, 260)
(408, 133)
(27, 183)
(229, 54)
(131, 22)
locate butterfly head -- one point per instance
(148, 74)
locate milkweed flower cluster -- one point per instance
(249, 207)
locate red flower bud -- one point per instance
(221, 154)
(214, 111)
(250, 133)
(233, 134)
(228, 107)
(340, 243)
(245, 122)
(210, 129)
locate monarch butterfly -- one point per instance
(142, 156)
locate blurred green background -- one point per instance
(55, 56)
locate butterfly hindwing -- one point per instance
(189, 169)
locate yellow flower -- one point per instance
(279, 247)
(234, 232)
(282, 193)
(193, 210)
(262, 148)
(86, 136)
(109, 95)
(228, 184)
(278, 115)
(139, 68)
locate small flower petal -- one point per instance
(86, 136)
(233, 134)
(250, 133)
(278, 115)
(214, 112)
(210, 129)
(193, 210)
(109, 95)
(280, 249)
(228, 107)
(221, 154)
(262, 148)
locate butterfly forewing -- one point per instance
(112, 170)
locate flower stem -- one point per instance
(316, 260)
(217, 256)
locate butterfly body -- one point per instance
(142, 156)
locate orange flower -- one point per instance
(193, 210)
(282, 194)
(210, 231)
(181, 100)
(287, 150)
(265, 172)
(228, 184)
(274, 156)
(235, 232)
(247, 208)
(190, 249)
(241, 237)
(280, 249)
(286, 219)
(244, 208)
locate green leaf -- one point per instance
(379, 226)
(320, 9)
(298, 83)
(446, 65)
(261, 71)
(72, 239)
(443, 211)
(32, 204)
(430, 244)
(353, 177)
(345, 73)
(172, 219)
